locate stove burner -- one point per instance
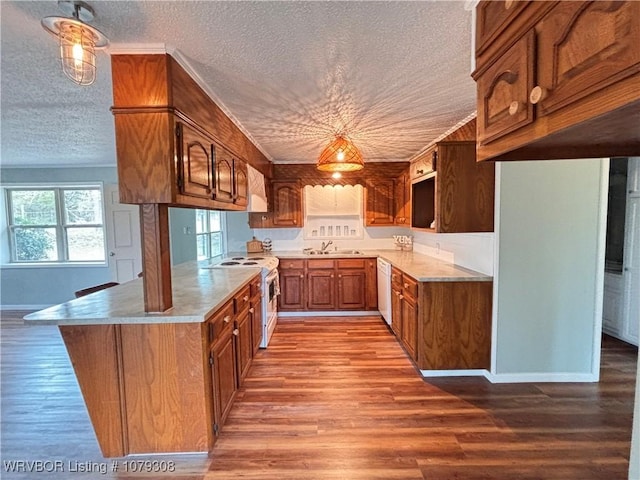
(237, 258)
(257, 258)
(230, 263)
(249, 263)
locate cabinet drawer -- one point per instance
(291, 263)
(396, 278)
(241, 300)
(351, 263)
(320, 264)
(256, 285)
(409, 286)
(221, 321)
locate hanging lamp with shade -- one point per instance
(341, 155)
(78, 40)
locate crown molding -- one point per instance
(186, 65)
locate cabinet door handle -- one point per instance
(227, 319)
(537, 94)
(236, 332)
(514, 107)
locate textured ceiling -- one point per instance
(392, 75)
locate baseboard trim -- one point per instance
(370, 313)
(454, 373)
(541, 377)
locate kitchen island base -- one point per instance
(146, 386)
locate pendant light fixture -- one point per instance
(341, 155)
(78, 41)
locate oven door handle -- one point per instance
(273, 278)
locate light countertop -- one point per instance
(419, 266)
(197, 293)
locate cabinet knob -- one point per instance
(251, 310)
(508, 4)
(401, 296)
(406, 285)
(514, 107)
(301, 276)
(227, 319)
(245, 298)
(236, 332)
(331, 276)
(537, 93)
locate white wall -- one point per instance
(550, 263)
(182, 231)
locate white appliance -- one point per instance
(384, 289)
(270, 288)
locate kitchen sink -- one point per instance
(332, 252)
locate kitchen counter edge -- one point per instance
(197, 294)
(423, 268)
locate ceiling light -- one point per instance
(78, 41)
(340, 156)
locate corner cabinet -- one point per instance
(557, 79)
(286, 207)
(387, 201)
(436, 329)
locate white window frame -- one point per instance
(208, 234)
(60, 226)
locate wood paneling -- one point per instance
(144, 147)
(465, 190)
(455, 325)
(338, 398)
(96, 359)
(164, 388)
(308, 174)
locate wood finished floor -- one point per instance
(337, 398)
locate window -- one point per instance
(208, 233)
(60, 224)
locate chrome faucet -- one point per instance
(324, 247)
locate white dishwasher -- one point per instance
(384, 289)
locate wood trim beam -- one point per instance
(156, 257)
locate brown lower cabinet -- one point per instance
(328, 284)
(442, 325)
(196, 370)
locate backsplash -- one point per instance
(469, 250)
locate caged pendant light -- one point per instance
(78, 41)
(340, 156)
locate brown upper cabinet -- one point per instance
(458, 194)
(174, 144)
(387, 201)
(557, 79)
(285, 211)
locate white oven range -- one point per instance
(270, 288)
